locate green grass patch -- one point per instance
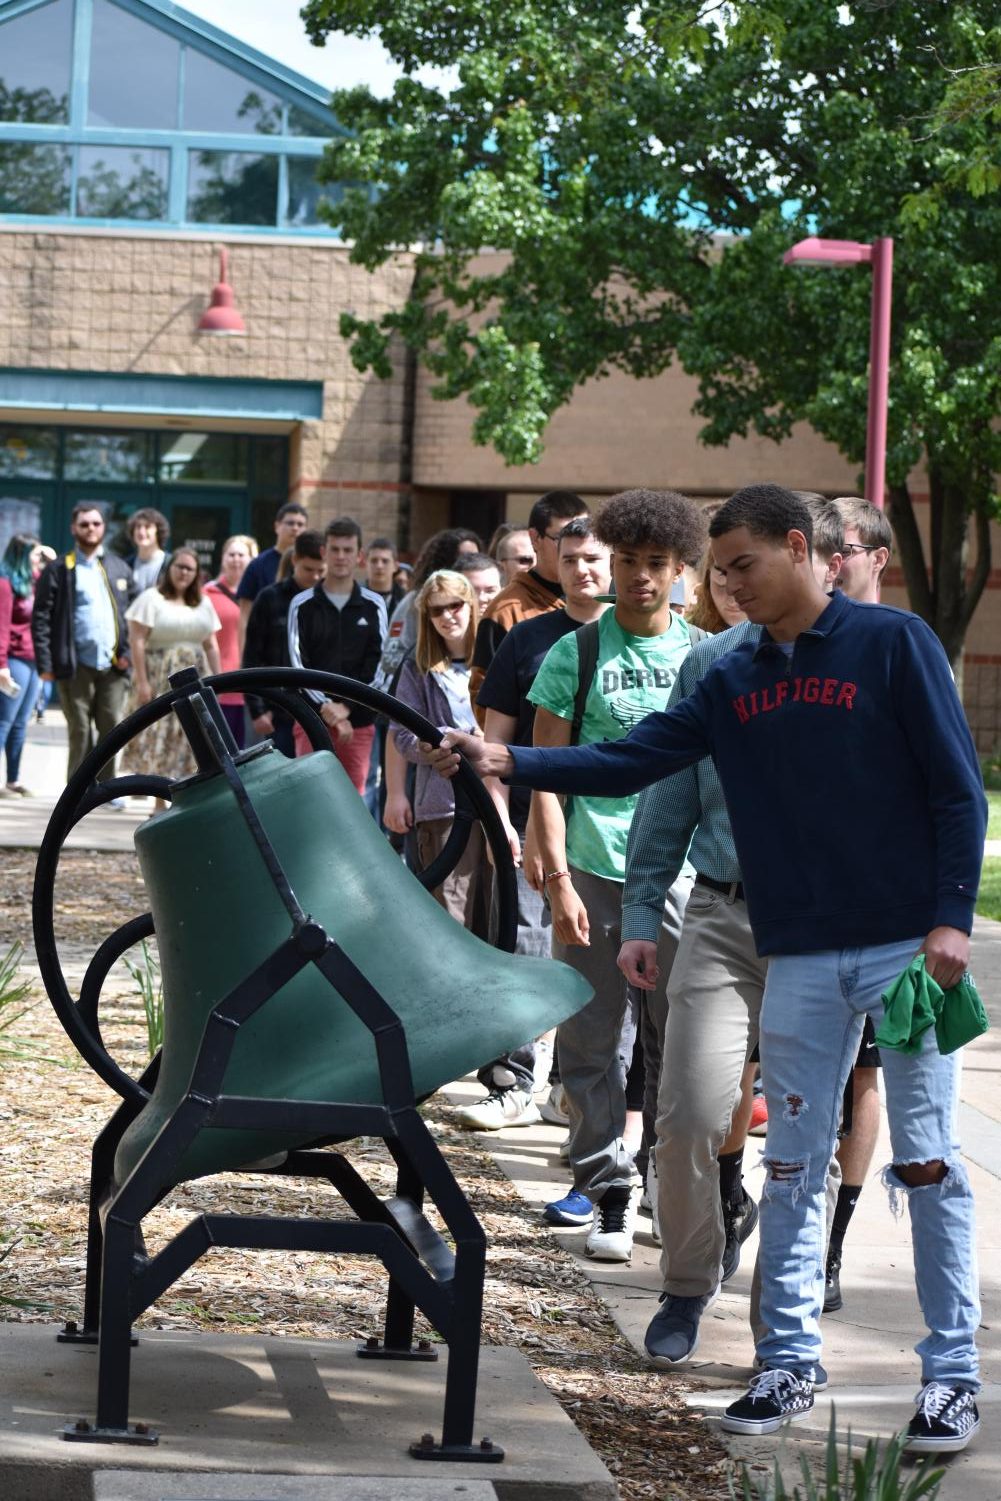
(989, 899)
(993, 814)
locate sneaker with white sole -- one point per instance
(574, 1209)
(946, 1419)
(611, 1239)
(502, 1107)
(543, 1065)
(773, 1398)
(673, 1332)
(554, 1107)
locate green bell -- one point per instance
(218, 915)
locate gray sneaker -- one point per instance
(673, 1334)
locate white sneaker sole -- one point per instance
(762, 1425)
(601, 1252)
(941, 1445)
(665, 1363)
(526, 1118)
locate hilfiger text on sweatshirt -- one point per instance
(835, 693)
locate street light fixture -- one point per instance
(222, 316)
(814, 251)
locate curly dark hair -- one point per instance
(768, 511)
(440, 551)
(653, 518)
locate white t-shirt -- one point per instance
(171, 622)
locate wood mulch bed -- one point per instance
(51, 1106)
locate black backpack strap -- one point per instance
(587, 661)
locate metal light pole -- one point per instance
(817, 252)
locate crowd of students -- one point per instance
(653, 696)
(715, 911)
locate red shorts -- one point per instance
(354, 754)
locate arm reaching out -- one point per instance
(486, 759)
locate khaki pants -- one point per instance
(714, 1002)
(93, 703)
(464, 893)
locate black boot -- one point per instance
(832, 1283)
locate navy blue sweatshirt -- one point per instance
(849, 771)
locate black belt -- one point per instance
(732, 889)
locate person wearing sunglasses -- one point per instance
(81, 636)
(515, 554)
(435, 682)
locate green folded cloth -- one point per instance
(915, 1002)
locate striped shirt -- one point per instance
(685, 814)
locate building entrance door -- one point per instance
(203, 521)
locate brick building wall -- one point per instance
(130, 302)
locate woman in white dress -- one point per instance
(171, 626)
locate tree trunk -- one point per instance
(948, 601)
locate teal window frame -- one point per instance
(189, 31)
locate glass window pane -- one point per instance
(34, 179)
(35, 64)
(133, 71)
(216, 98)
(232, 187)
(122, 182)
(270, 469)
(302, 123)
(262, 520)
(28, 452)
(305, 193)
(23, 514)
(113, 458)
(203, 458)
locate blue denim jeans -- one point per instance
(15, 714)
(811, 1021)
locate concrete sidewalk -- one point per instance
(868, 1344)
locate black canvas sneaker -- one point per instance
(946, 1420)
(738, 1222)
(832, 1284)
(773, 1398)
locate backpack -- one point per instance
(587, 662)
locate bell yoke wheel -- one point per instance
(83, 793)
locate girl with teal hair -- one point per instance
(18, 674)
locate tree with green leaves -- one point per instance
(642, 167)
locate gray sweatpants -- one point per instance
(591, 1067)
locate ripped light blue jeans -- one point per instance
(811, 1021)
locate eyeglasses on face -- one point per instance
(525, 559)
(80, 522)
(452, 608)
(184, 567)
(852, 549)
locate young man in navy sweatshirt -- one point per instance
(864, 693)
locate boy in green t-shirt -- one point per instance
(640, 646)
